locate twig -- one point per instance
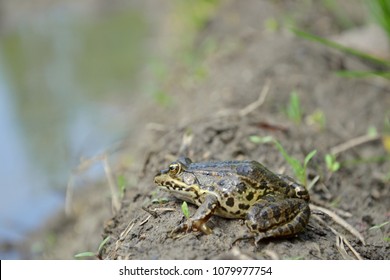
(341, 240)
(340, 246)
(115, 197)
(151, 212)
(340, 212)
(165, 209)
(253, 106)
(340, 221)
(128, 228)
(358, 256)
(145, 221)
(313, 182)
(353, 143)
(69, 195)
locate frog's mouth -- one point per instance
(176, 186)
(162, 179)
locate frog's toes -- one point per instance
(182, 228)
(201, 226)
(243, 237)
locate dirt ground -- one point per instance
(207, 122)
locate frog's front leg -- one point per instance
(273, 217)
(198, 221)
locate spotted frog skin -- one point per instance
(272, 205)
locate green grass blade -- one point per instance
(103, 243)
(294, 111)
(308, 158)
(380, 11)
(339, 47)
(379, 226)
(85, 255)
(293, 162)
(363, 74)
(260, 140)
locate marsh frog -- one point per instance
(272, 205)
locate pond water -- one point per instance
(64, 80)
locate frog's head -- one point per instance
(178, 180)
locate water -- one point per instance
(63, 75)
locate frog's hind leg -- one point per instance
(277, 218)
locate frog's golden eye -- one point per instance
(174, 168)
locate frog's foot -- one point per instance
(191, 225)
(183, 227)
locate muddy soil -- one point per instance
(207, 123)
(208, 120)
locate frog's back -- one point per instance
(256, 173)
(228, 166)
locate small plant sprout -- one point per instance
(260, 140)
(372, 131)
(379, 226)
(298, 169)
(272, 25)
(184, 209)
(97, 254)
(294, 111)
(316, 119)
(331, 163)
(122, 184)
(350, 51)
(386, 133)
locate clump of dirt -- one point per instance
(236, 77)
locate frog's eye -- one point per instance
(174, 168)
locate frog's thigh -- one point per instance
(278, 218)
(203, 214)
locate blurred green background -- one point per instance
(69, 73)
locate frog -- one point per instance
(272, 205)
